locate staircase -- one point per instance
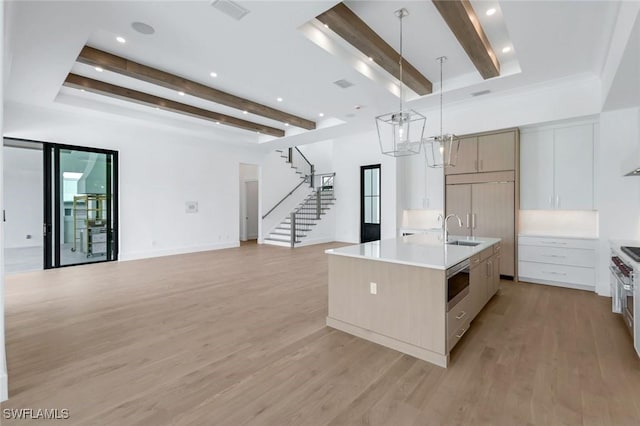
(300, 222)
(302, 219)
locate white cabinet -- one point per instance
(422, 187)
(556, 168)
(565, 262)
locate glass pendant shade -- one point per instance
(442, 151)
(400, 133)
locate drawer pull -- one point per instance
(555, 256)
(461, 332)
(554, 242)
(461, 315)
(554, 273)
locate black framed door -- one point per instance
(370, 202)
(80, 205)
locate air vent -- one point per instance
(230, 8)
(343, 83)
(480, 93)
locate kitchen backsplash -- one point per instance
(561, 223)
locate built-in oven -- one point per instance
(457, 283)
(622, 282)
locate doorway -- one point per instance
(370, 202)
(62, 200)
(249, 202)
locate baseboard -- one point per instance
(4, 386)
(314, 241)
(557, 284)
(173, 252)
(424, 354)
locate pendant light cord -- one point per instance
(441, 90)
(401, 16)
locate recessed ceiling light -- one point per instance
(506, 49)
(143, 28)
(286, 124)
(82, 90)
(181, 93)
(279, 99)
(213, 74)
(370, 59)
(258, 132)
(99, 69)
(321, 114)
(326, 26)
(491, 11)
(245, 112)
(357, 107)
(121, 39)
(217, 122)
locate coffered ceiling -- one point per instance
(267, 58)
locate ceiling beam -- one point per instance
(117, 64)
(464, 24)
(102, 88)
(342, 21)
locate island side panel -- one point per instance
(410, 304)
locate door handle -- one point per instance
(557, 201)
(468, 221)
(473, 221)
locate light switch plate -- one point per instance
(373, 288)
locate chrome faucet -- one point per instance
(445, 226)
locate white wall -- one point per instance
(618, 197)
(159, 172)
(23, 197)
(4, 386)
(320, 154)
(349, 153)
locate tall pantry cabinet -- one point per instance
(485, 197)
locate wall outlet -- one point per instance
(373, 288)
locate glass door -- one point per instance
(81, 215)
(369, 203)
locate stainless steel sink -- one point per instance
(464, 243)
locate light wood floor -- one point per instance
(237, 337)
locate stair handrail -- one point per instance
(317, 191)
(285, 197)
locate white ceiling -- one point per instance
(265, 55)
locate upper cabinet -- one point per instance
(486, 153)
(556, 168)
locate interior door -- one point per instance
(252, 209)
(459, 203)
(82, 217)
(493, 207)
(370, 202)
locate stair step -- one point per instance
(278, 243)
(287, 226)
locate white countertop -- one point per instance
(423, 250)
(548, 235)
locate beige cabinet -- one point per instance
(484, 279)
(487, 210)
(486, 153)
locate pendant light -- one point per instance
(400, 133)
(442, 150)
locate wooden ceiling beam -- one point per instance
(464, 24)
(107, 89)
(345, 23)
(117, 64)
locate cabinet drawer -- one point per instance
(455, 337)
(99, 238)
(558, 273)
(474, 261)
(557, 256)
(98, 248)
(458, 316)
(557, 242)
(486, 253)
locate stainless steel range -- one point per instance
(625, 286)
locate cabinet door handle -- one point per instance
(473, 221)
(461, 332)
(488, 268)
(468, 222)
(557, 201)
(461, 315)
(481, 165)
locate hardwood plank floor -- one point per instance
(237, 336)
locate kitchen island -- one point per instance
(399, 292)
